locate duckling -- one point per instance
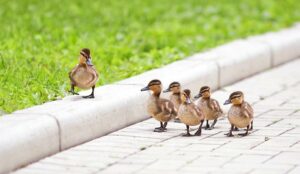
(190, 114)
(240, 114)
(175, 97)
(161, 109)
(210, 107)
(84, 75)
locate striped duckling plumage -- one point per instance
(190, 114)
(175, 97)
(84, 75)
(240, 114)
(160, 109)
(210, 106)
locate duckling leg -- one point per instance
(235, 128)
(207, 125)
(159, 129)
(229, 134)
(165, 126)
(213, 124)
(91, 95)
(251, 128)
(246, 133)
(187, 131)
(72, 90)
(199, 131)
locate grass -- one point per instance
(40, 40)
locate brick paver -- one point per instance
(272, 147)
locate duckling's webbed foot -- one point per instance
(161, 128)
(199, 131)
(207, 125)
(89, 96)
(246, 133)
(72, 90)
(229, 134)
(213, 125)
(187, 131)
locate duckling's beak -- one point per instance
(89, 61)
(198, 96)
(188, 100)
(145, 88)
(227, 102)
(167, 90)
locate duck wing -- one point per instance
(196, 110)
(167, 107)
(215, 106)
(247, 110)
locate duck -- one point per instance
(175, 97)
(190, 114)
(210, 106)
(163, 110)
(84, 75)
(240, 114)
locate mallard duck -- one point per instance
(84, 75)
(161, 109)
(190, 114)
(240, 114)
(175, 97)
(210, 106)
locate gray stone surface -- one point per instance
(272, 147)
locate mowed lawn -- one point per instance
(40, 40)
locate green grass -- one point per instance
(40, 40)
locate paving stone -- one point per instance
(272, 147)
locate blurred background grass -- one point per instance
(40, 40)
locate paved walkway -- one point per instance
(272, 147)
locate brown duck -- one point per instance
(210, 106)
(190, 114)
(84, 75)
(240, 114)
(175, 97)
(160, 109)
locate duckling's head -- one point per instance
(204, 92)
(236, 98)
(174, 87)
(85, 57)
(154, 86)
(186, 96)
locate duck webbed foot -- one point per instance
(213, 125)
(246, 133)
(199, 131)
(73, 92)
(187, 131)
(229, 134)
(162, 127)
(89, 96)
(207, 125)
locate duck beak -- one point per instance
(167, 90)
(198, 96)
(89, 61)
(227, 102)
(145, 88)
(188, 100)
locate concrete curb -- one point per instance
(37, 132)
